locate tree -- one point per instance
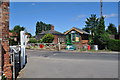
(86, 29)
(111, 29)
(48, 38)
(101, 40)
(17, 30)
(40, 26)
(101, 26)
(91, 24)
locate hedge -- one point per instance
(32, 40)
(113, 45)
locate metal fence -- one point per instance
(17, 60)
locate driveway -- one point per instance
(54, 64)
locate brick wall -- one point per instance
(0, 41)
(4, 37)
(0, 62)
(55, 41)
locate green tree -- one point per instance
(97, 28)
(17, 30)
(91, 24)
(40, 26)
(48, 38)
(101, 40)
(86, 29)
(101, 26)
(111, 29)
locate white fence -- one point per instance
(18, 55)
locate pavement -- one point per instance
(60, 64)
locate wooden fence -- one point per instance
(50, 46)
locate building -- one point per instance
(77, 37)
(58, 36)
(5, 65)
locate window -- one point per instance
(77, 37)
(61, 39)
(73, 37)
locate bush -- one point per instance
(101, 40)
(40, 41)
(114, 45)
(91, 42)
(48, 38)
(12, 42)
(32, 40)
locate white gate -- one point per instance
(18, 55)
(23, 43)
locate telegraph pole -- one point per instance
(101, 5)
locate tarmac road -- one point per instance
(72, 55)
(54, 64)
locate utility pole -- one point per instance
(101, 5)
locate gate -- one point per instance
(18, 55)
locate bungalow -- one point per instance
(58, 36)
(77, 36)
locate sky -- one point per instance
(62, 0)
(63, 15)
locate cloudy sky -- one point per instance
(63, 15)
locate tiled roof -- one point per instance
(81, 30)
(76, 29)
(51, 32)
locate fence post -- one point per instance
(13, 65)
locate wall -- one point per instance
(0, 41)
(4, 37)
(0, 62)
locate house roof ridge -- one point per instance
(84, 32)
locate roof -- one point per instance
(51, 32)
(76, 29)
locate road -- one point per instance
(55, 64)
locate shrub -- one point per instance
(101, 40)
(48, 38)
(40, 41)
(32, 40)
(91, 42)
(114, 45)
(12, 42)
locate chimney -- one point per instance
(52, 27)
